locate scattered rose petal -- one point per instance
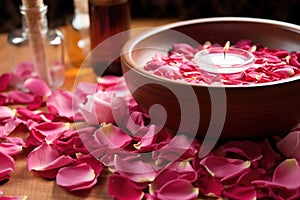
(286, 176)
(20, 97)
(224, 168)
(289, 146)
(176, 170)
(60, 103)
(49, 131)
(37, 86)
(112, 136)
(45, 159)
(134, 169)
(77, 177)
(7, 165)
(6, 113)
(119, 187)
(10, 148)
(177, 189)
(5, 81)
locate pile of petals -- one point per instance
(100, 126)
(270, 65)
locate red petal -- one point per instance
(5, 113)
(77, 177)
(112, 136)
(134, 169)
(7, 165)
(177, 189)
(122, 188)
(224, 168)
(5, 80)
(60, 103)
(289, 146)
(45, 158)
(20, 97)
(10, 148)
(37, 86)
(286, 176)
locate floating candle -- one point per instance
(224, 61)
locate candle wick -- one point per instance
(226, 47)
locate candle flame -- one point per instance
(226, 47)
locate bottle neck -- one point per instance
(37, 15)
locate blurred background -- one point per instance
(60, 10)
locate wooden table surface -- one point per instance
(25, 183)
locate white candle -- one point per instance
(214, 60)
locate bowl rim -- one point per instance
(128, 48)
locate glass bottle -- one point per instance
(77, 33)
(108, 18)
(46, 58)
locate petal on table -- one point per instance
(6, 113)
(208, 185)
(10, 148)
(37, 116)
(60, 103)
(13, 197)
(7, 165)
(76, 177)
(18, 97)
(176, 170)
(177, 189)
(112, 136)
(286, 176)
(44, 157)
(224, 168)
(119, 187)
(134, 169)
(246, 149)
(5, 81)
(289, 146)
(49, 131)
(37, 86)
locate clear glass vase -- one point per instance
(35, 50)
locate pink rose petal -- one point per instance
(10, 148)
(37, 116)
(7, 165)
(18, 97)
(289, 146)
(134, 169)
(246, 149)
(112, 136)
(122, 188)
(6, 113)
(46, 158)
(5, 81)
(103, 106)
(286, 176)
(60, 103)
(37, 86)
(208, 185)
(176, 170)
(177, 189)
(49, 131)
(224, 168)
(77, 177)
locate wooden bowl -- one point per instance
(231, 112)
